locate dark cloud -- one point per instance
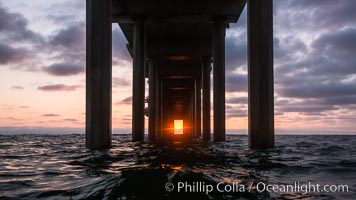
(332, 55)
(236, 44)
(64, 69)
(237, 100)
(126, 101)
(314, 15)
(327, 12)
(300, 4)
(17, 40)
(60, 18)
(69, 45)
(13, 118)
(236, 52)
(242, 21)
(318, 75)
(14, 26)
(119, 82)
(304, 106)
(318, 90)
(69, 10)
(58, 87)
(343, 41)
(17, 87)
(51, 115)
(315, 106)
(236, 112)
(119, 50)
(324, 73)
(10, 54)
(72, 37)
(339, 100)
(286, 48)
(70, 120)
(236, 82)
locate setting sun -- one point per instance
(178, 127)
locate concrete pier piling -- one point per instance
(219, 26)
(138, 86)
(260, 74)
(98, 75)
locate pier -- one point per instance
(178, 46)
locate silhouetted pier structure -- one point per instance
(175, 44)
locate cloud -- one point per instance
(17, 41)
(237, 100)
(236, 52)
(342, 41)
(236, 82)
(318, 15)
(64, 69)
(70, 37)
(17, 87)
(51, 115)
(66, 12)
(14, 26)
(119, 51)
(304, 106)
(69, 44)
(126, 101)
(307, 108)
(118, 82)
(326, 13)
(325, 72)
(58, 87)
(333, 53)
(70, 120)
(13, 118)
(10, 54)
(61, 18)
(318, 90)
(314, 50)
(235, 112)
(236, 44)
(287, 48)
(339, 100)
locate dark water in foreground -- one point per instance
(60, 167)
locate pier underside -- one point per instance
(177, 46)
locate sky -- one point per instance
(42, 67)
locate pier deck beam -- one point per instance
(138, 94)
(260, 74)
(219, 79)
(206, 97)
(98, 74)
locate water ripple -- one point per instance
(60, 167)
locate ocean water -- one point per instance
(60, 167)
